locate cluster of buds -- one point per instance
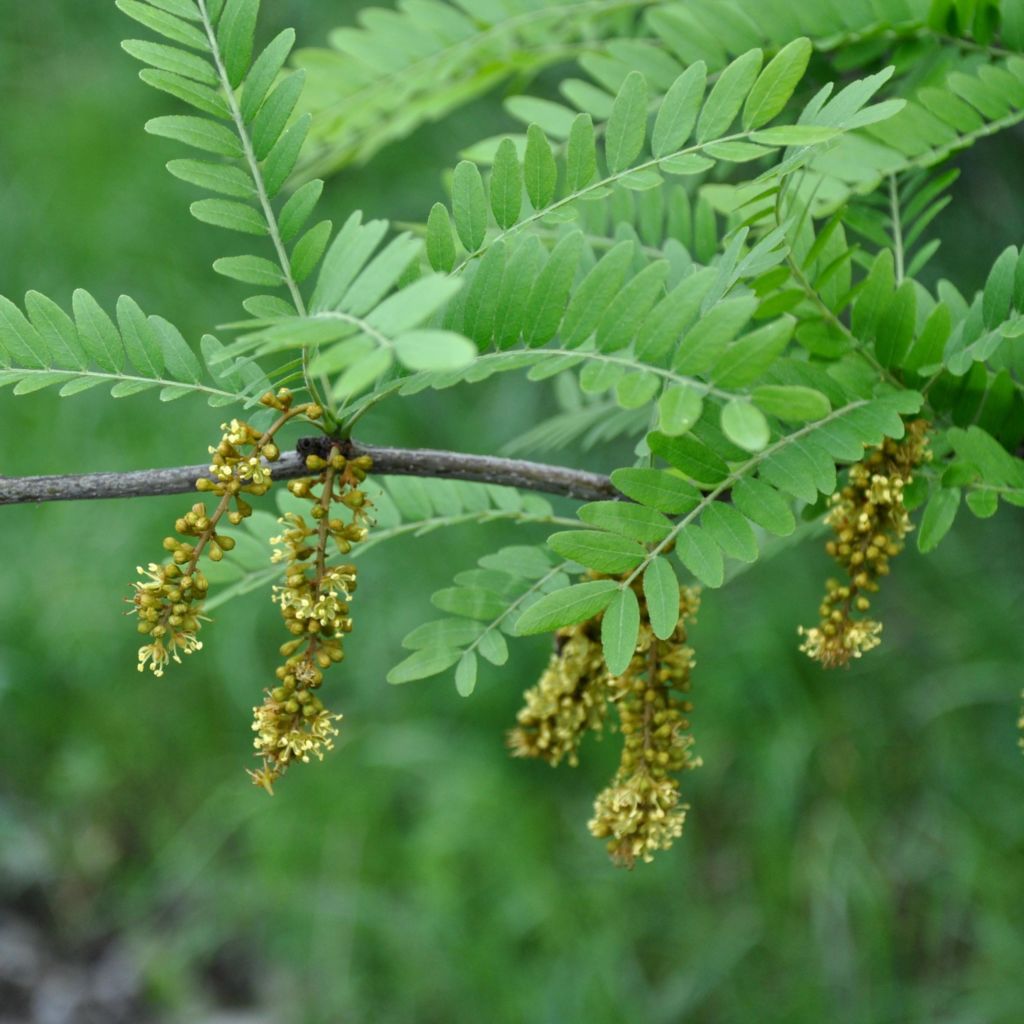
(292, 723)
(168, 599)
(869, 522)
(570, 699)
(640, 812)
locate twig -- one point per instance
(425, 462)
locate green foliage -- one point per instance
(711, 247)
(798, 763)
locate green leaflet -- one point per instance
(282, 158)
(764, 505)
(938, 518)
(469, 205)
(235, 31)
(226, 213)
(997, 297)
(661, 591)
(691, 457)
(604, 552)
(744, 424)
(506, 187)
(580, 158)
(309, 249)
(566, 607)
(273, 115)
(699, 553)
(199, 96)
(97, 332)
(626, 313)
(171, 58)
(727, 96)
(657, 489)
(707, 341)
(678, 112)
(198, 132)
(440, 243)
(56, 331)
(896, 326)
(730, 530)
(595, 293)
(627, 125)
(539, 171)
(620, 627)
(746, 359)
(222, 178)
(297, 209)
(679, 408)
(264, 72)
(421, 664)
(775, 85)
(791, 403)
(164, 24)
(626, 519)
(433, 350)
(547, 298)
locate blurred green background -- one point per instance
(855, 849)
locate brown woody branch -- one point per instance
(424, 462)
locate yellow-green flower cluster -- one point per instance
(292, 723)
(870, 522)
(640, 812)
(570, 699)
(168, 599)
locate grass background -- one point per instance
(854, 849)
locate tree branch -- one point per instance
(534, 476)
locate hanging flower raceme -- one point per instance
(639, 812)
(570, 699)
(292, 723)
(168, 600)
(870, 522)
